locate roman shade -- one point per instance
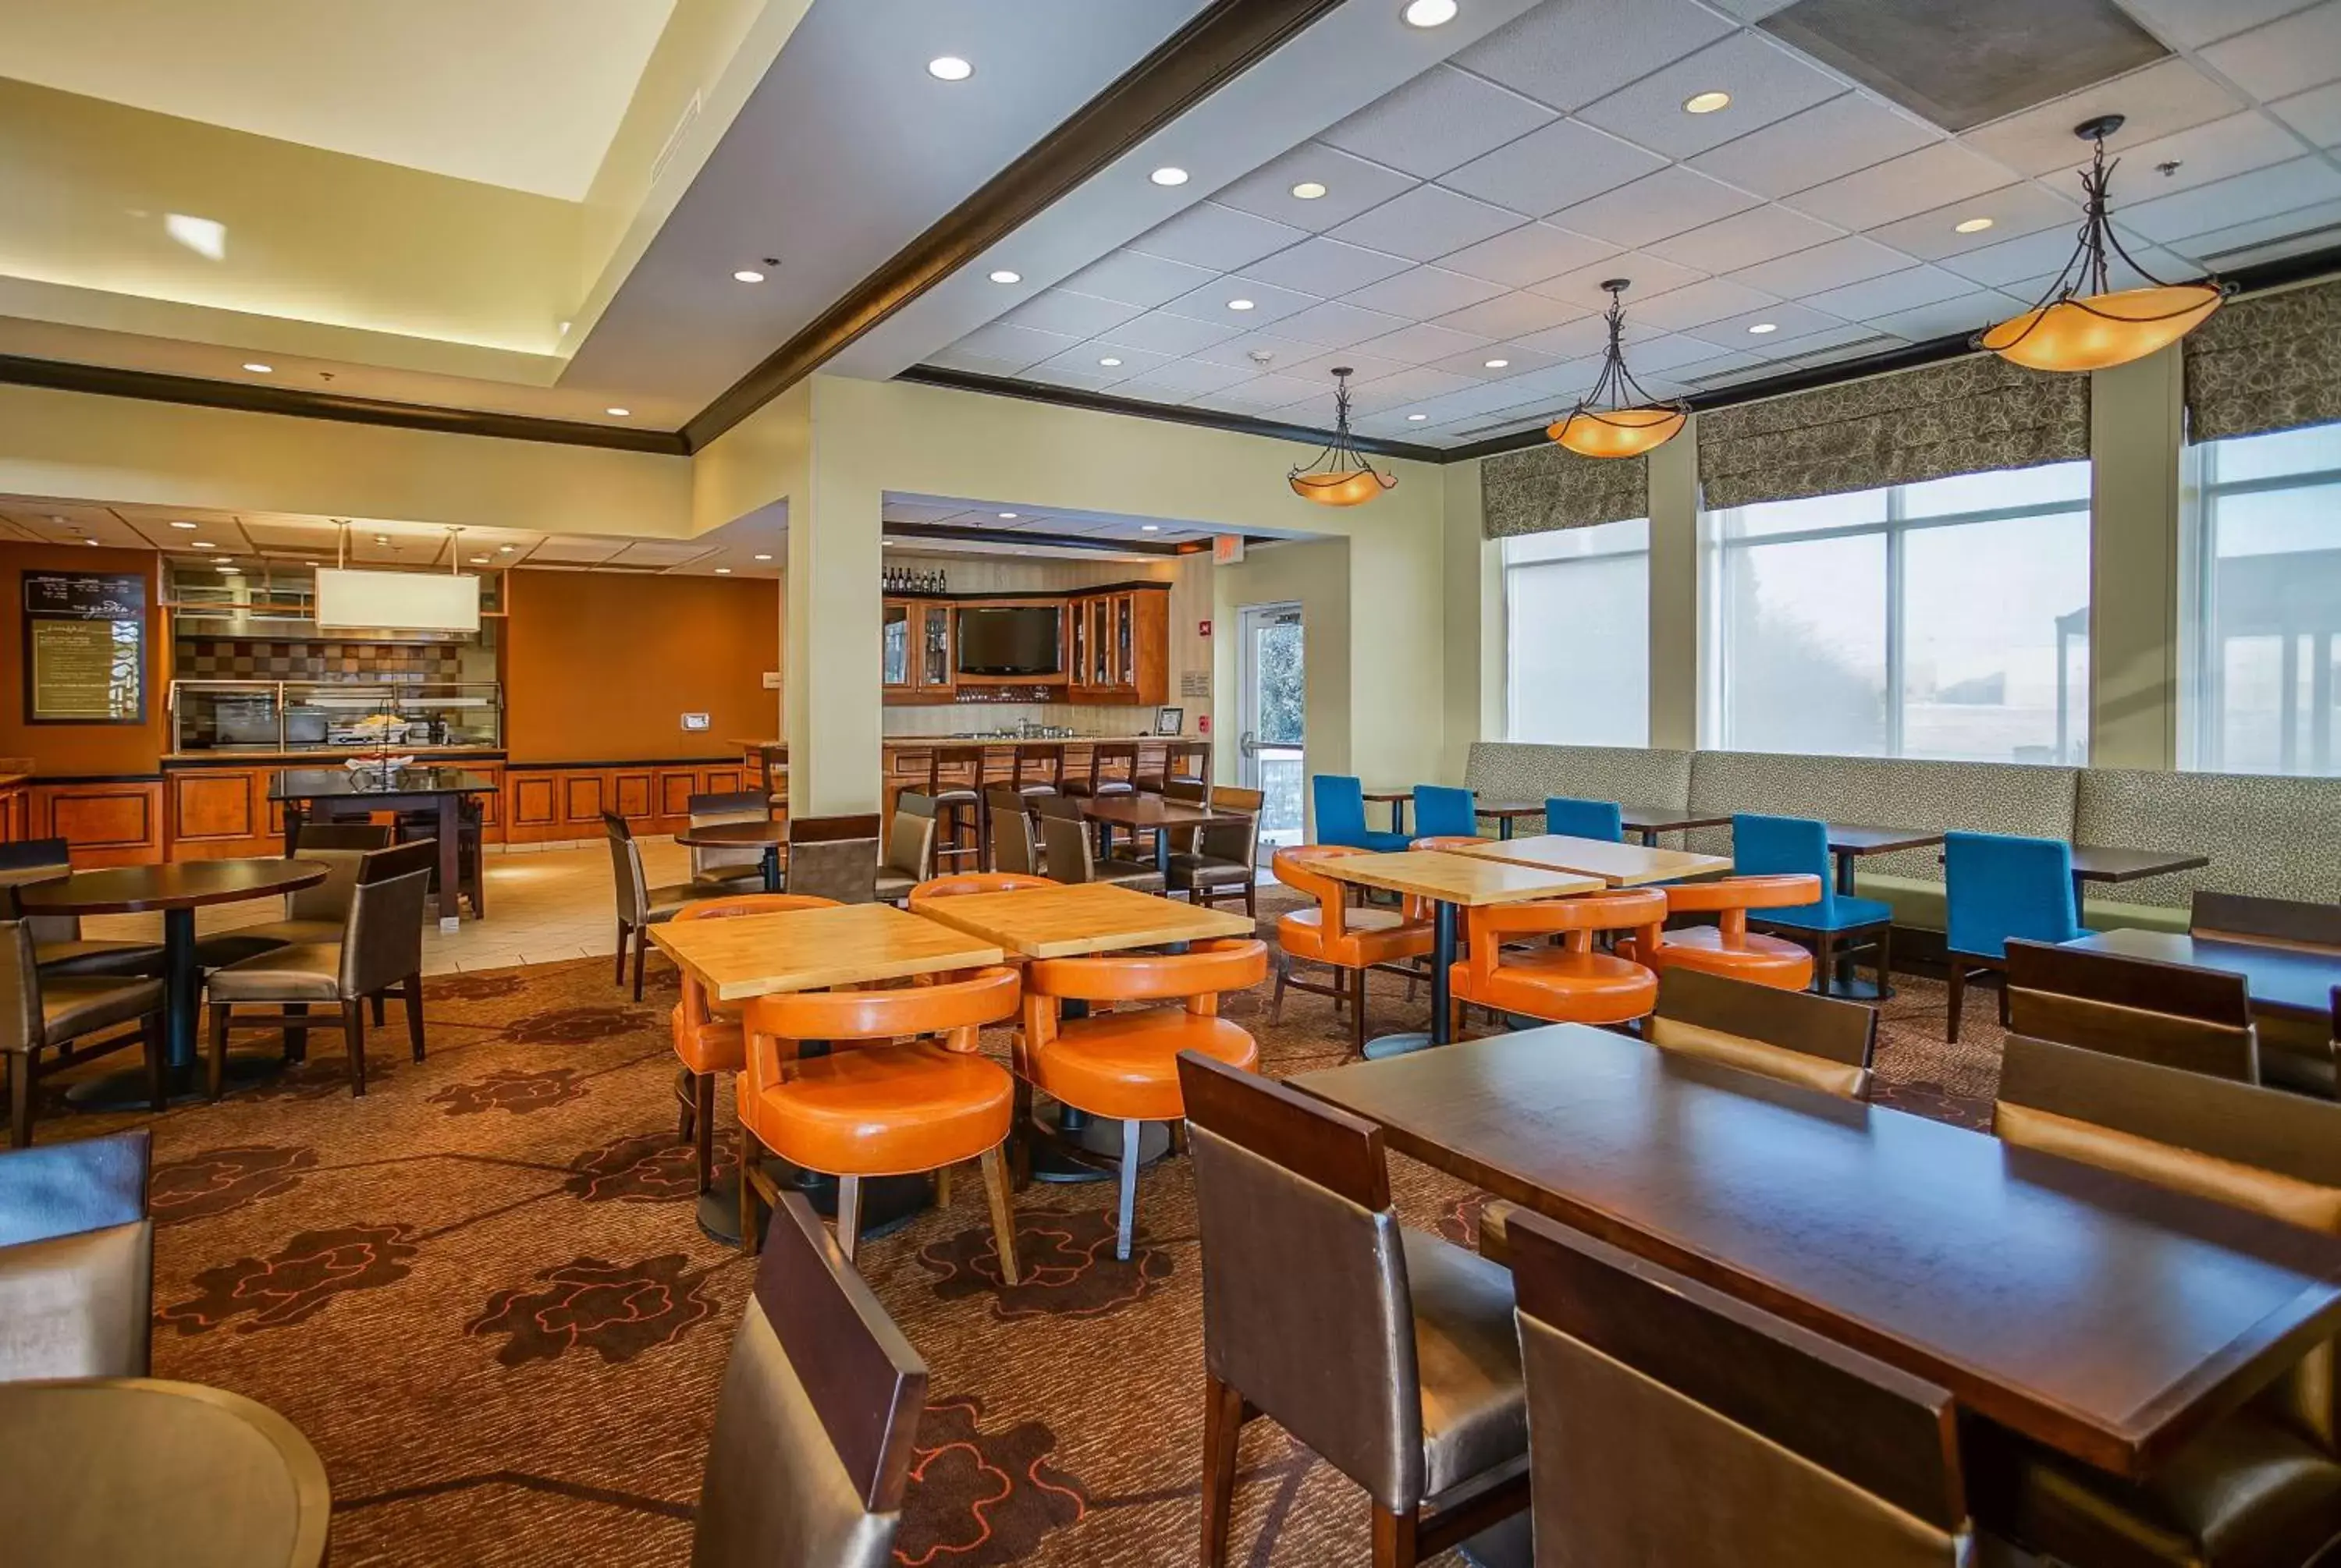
(2267, 363)
(1546, 488)
(1964, 416)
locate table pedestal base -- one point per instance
(1070, 1146)
(1397, 1045)
(125, 1089)
(887, 1203)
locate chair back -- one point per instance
(330, 900)
(1014, 847)
(1295, 870)
(2199, 1020)
(710, 810)
(835, 858)
(1998, 885)
(1805, 1452)
(1728, 898)
(772, 770)
(1186, 761)
(1642, 910)
(37, 860)
(1819, 1042)
(626, 867)
(1195, 977)
(1065, 837)
(816, 1419)
(313, 836)
(382, 943)
(955, 1008)
(1442, 811)
(1044, 764)
(21, 1025)
(1114, 762)
(1602, 819)
(2285, 921)
(1238, 841)
(1306, 1304)
(960, 884)
(1764, 846)
(77, 1260)
(1340, 809)
(958, 769)
(693, 1011)
(1188, 791)
(910, 839)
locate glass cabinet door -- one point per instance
(1079, 665)
(895, 664)
(935, 667)
(1100, 642)
(1125, 640)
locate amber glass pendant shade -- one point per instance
(1621, 432)
(1328, 487)
(1338, 476)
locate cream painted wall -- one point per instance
(2137, 421)
(1335, 707)
(1675, 562)
(1472, 602)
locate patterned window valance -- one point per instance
(1546, 488)
(2268, 363)
(1961, 417)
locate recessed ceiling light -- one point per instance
(261, 370)
(950, 68)
(1308, 189)
(91, 543)
(1760, 328)
(1007, 516)
(763, 558)
(1239, 304)
(888, 543)
(747, 276)
(1416, 417)
(1706, 103)
(382, 539)
(722, 572)
(1149, 528)
(619, 413)
(480, 561)
(506, 548)
(1005, 276)
(224, 563)
(200, 544)
(231, 571)
(188, 526)
(1971, 225)
(1498, 364)
(1168, 175)
(1429, 13)
(1109, 361)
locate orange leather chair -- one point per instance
(1338, 933)
(707, 1037)
(1728, 947)
(1570, 984)
(963, 882)
(1124, 1064)
(878, 1111)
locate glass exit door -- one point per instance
(1271, 700)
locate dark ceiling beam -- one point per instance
(917, 533)
(107, 380)
(1219, 44)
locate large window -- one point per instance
(2261, 633)
(1576, 618)
(1949, 619)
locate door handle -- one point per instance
(1249, 743)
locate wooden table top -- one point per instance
(174, 885)
(2295, 981)
(2105, 1317)
(1089, 917)
(1860, 838)
(374, 783)
(1670, 819)
(1144, 810)
(807, 949)
(1393, 792)
(1618, 865)
(734, 835)
(1465, 879)
(2105, 863)
(1514, 808)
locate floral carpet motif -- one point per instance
(218, 1180)
(295, 1282)
(618, 1309)
(1065, 1266)
(979, 1498)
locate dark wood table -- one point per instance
(1398, 799)
(178, 890)
(1649, 821)
(2104, 1318)
(767, 836)
(1507, 812)
(2295, 982)
(1849, 842)
(1139, 812)
(2103, 863)
(133, 1472)
(351, 791)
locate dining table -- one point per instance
(2293, 982)
(2112, 864)
(2105, 1317)
(1398, 798)
(1141, 811)
(1617, 865)
(1508, 812)
(1648, 822)
(328, 793)
(767, 836)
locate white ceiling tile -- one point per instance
(2316, 115)
(1424, 292)
(1168, 334)
(1137, 278)
(1547, 170)
(2268, 239)
(1528, 255)
(1364, 369)
(1571, 340)
(1961, 314)
(1791, 322)
(1326, 267)
(2191, 24)
(2300, 52)
(1419, 345)
(1426, 223)
(1568, 53)
(1518, 360)
(1352, 186)
(1654, 207)
(1665, 354)
(1063, 311)
(1815, 347)
(1743, 240)
(1014, 346)
(2262, 193)
(1237, 350)
(1905, 289)
(1827, 267)
(2168, 95)
(1181, 379)
(1441, 118)
(2013, 261)
(1049, 373)
(2219, 151)
(1767, 81)
(1270, 391)
(1209, 235)
(959, 358)
(1511, 315)
(1722, 365)
(2015, 211)
(1087, 361)
(1270, 304)
(1913, 182)
(1338, 324)
(1650, 275)
(1754, 10)
(1400, 392)
(1485, 398)
(1824, 143)
(1695, 304)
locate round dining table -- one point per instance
(178, 888)
(766, 836)
(132, 1471)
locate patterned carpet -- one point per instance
(480, 1292)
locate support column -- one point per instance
(1674, 591)
(1473, 599)
(835, 696)
(2136, 419)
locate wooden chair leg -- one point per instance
(1824, 962)
(848, 1214)
(1223, 1419)
(1276, 999)
(750, 1157)
(642, 950)
(381, 1010)
(353, 1027)
(1251, 902)
(1885, 961)
(703, 1136)
(296, 1039)
(1004, 1211)
(20, 1100)
(1394, 1539)
(1126, 1211)
(943, 1186)
(1958, 998)
(1358, 1013)
(410, 993)
(621, 978)
(216, 1062)
(151, 1040)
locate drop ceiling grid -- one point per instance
(1471, 215)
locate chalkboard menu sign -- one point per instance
(84, 648)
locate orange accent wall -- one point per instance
(80, 750)
(602, 667)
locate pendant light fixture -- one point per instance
(2082, 323)
(1338, 476)
(1604, 423)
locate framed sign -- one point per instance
(84, 648)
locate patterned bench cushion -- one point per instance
(2273, 837)
(1630, 775)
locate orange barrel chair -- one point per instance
(1339, 933)
(879, 1109)
(706, 1036)
(1570, 984)
(1728, 947)
(1124, 1064)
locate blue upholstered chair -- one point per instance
(1340, 806)
(1442, 811)
(2002, 887)
(1602, 819)
(1836, 923)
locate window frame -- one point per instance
(1506, 566)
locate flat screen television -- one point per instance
(1014, 639)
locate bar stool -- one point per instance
(1571, 984)
(1046, 765)
(1104, 756)
(956, 784)
(1728, 947)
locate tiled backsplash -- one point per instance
(969, 718)
(242, 658)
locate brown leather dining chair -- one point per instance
(1223, 860)
(58, 944)
(741, 868)
(1389, 1352)
(2293, 1052)
(1669, 1424)
(2174, 1013)
(54, 1014)
(816, 1419)
(910, 848)
(1015, 847)
(640, 904)
(313, 914)
(834, 858)
(77, 1260)
(1820, 1042)
(1073, 858)
(2261, 1487)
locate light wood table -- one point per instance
(1449, 882)
(809, 949)
(1091, 917)
(1618, 865)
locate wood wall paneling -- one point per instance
(633, 795)
(215, 807)
(535, 800)
(581, 795)
(105, 824)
